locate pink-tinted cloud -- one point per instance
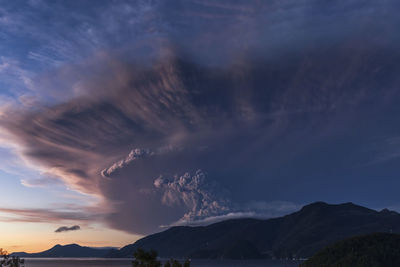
(49, 215)
(254, 123)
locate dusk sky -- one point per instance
(119, 119)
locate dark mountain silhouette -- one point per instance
(72, 250)
(378, 250)
(299, 235)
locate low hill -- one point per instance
(298, 235)
(67, 251)
(375, 250)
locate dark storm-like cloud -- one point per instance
(190, 136)
(67, 229)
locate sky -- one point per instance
(120, 119)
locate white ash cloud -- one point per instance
(135, 154)
(202, 197)
(251, 209)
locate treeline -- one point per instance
(7, 261)
(375, 250)
(149, 259)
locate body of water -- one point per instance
(68, 262)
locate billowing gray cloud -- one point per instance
(67, 229)
(239, 124)
(201, 196)
(279, 113)
(133, 155)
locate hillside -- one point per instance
(299, 235)
(67, 251)
(375, 250)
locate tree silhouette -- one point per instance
(149, 259)
(175, 263)
(145, 259)
(7, 261)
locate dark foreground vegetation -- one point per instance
(374, 250)
(149, 259)
(9, 261)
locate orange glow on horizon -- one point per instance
(37, 237)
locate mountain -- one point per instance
(72, 250)
(299, 235)
(379, 250)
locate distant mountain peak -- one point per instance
(316, 204)
(66, 246)
(68, 250)
(323, 205)
(72, 245)
(387, 211)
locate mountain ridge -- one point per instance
(67, 251)
(296, 235)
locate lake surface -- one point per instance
(64, 262)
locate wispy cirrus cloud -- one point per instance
(384, 150)
(42, 181)
(56, 215)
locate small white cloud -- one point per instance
(44, 181)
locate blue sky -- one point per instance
(126, 117)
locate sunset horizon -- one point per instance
(122, 119)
